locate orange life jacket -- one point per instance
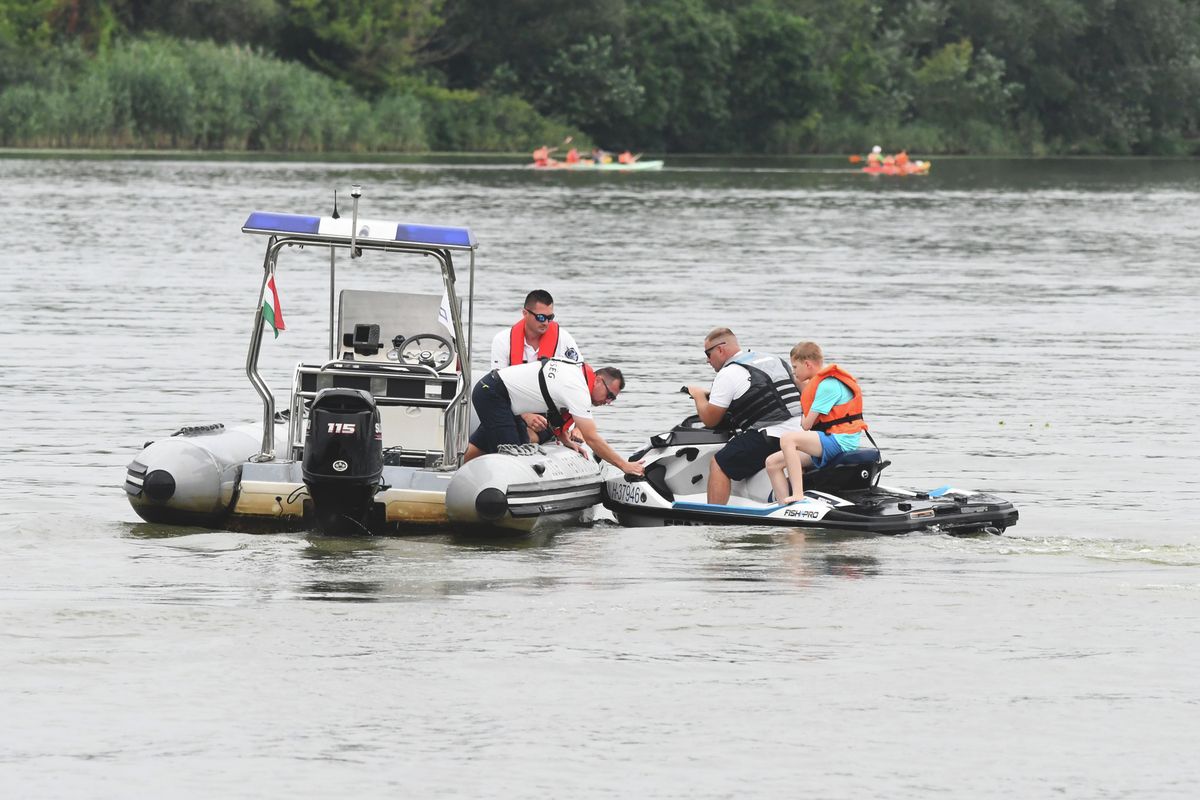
(844, 418)
(625, 158)
(541, 154)
(572, 156)
(516, 343)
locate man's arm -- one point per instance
(587, 428)
(710, 414)
(567, 347)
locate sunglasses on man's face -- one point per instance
(540, 317)
(708, 350)
(608, 390)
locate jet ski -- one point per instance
(844, 495)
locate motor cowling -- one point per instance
(343, 459)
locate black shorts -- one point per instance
(497, 424)
(746, 454)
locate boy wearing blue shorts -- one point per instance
(832, 423)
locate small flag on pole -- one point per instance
(271, 311)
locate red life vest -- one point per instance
(516, 343)
(844, 418)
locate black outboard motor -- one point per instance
(343, 460)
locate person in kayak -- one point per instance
(558, 389)
(535, 336)
(832, 423)
(875, 158)
(755, 394)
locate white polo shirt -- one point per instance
(565, 382)
(566, 348)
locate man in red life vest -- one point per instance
(533, 337)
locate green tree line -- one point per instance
(718, 76)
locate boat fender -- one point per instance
(491, 504)
(159, 486)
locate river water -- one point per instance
(1013, 323)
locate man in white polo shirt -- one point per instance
(562, 390)
(533, 337)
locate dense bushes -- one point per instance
(760, 76)
(163, 93)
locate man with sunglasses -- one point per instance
(559, 389)
(535, 336)
(754, 394)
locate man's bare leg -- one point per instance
(718, 484)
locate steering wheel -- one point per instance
(426, 349)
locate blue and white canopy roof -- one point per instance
(337, 231)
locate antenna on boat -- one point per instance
(336, 215)
(355, 192)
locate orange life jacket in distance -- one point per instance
(516, 343)
(844, 418)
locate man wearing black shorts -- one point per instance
(755, 391)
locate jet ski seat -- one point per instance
(854, 470)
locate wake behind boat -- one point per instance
(374, 433)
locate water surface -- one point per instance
(1018, 327)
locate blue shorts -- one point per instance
(497, 424)
(746, 454)
(830, 449)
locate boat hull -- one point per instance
(217, 483)
(843, 496)
(636, 166)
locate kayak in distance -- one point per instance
(877, 163)
(911, 168)
(601, 159)
(585, 165)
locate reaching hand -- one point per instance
(536, 422)
(634, 468)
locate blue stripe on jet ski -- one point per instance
(282, 223)
(938, 492)
(731, 510)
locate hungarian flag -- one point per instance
(271, 311)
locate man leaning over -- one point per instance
(757, 392)
(560, 390)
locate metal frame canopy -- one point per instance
(356, 235)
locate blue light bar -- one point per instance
(337, 231)
(282, 223)
(435, 234)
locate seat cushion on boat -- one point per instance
(863, 455)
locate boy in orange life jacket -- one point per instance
(535, 336)
(832, 421)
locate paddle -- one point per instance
(856, 159)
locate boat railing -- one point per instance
(391, 385)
